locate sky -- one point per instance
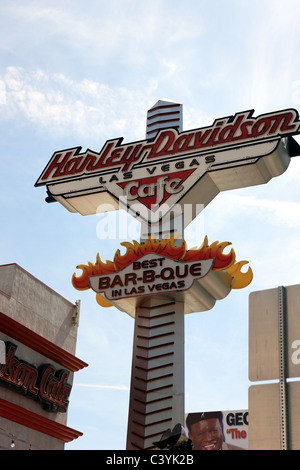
(80, 72)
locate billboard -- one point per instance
(218, 430)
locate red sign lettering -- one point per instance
(43, 383)
(115, 156)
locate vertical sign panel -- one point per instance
(293, 327)
(264, 416)
(264, 333)
(274, 354)
(264, 425)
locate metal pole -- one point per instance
(283, 369)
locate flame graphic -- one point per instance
(82, 282)
(169, 248)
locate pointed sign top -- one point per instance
(163, 114)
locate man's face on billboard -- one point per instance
(207, 434)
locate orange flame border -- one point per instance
(169, 248)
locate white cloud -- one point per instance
(2, 92)
(278, 211)
(109, 387)
(106, 27)
(273, 37)
(59, 104)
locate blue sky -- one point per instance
(77, 73)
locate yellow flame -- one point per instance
(102, 301)
(240, 279)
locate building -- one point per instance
(38, 333)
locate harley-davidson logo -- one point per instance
(158, 173)
(154, 191)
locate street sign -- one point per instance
(265, 418)
(274, 354)
(264, 333)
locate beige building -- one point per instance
(38, 332)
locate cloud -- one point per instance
(60, 104)
(107, 28)
(275, 25)
(109, 387)
(2, 92)
(57, 104)
(280, 212)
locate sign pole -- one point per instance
(283, 372)
(157, 375)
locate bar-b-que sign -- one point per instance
(162, 267)
(152, 274)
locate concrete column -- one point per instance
(157, 377)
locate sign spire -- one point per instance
(163, 115)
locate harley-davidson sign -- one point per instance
(157, 174)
